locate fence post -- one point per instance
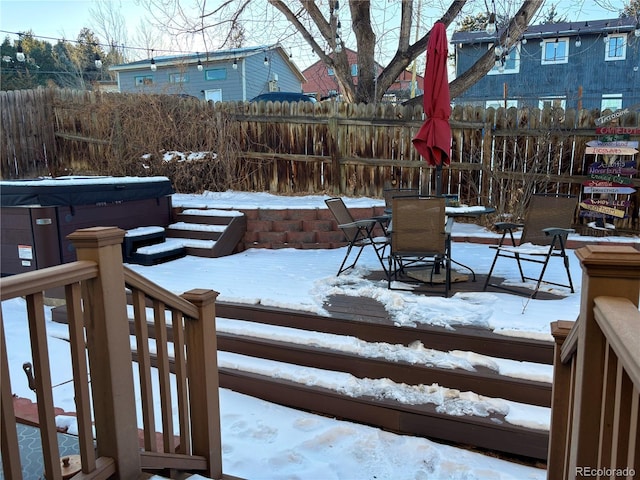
(607, 271)
(560, 404)
(109, 348)
(202, 372)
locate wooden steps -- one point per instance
(203, 233)
(148, 246)
(491, 432)
(220, 231)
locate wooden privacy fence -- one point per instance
(595, 420)
(499, 157)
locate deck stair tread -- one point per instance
(173, 243)
(210, 216)
(197, 227)
(199, 231)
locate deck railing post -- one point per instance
(202, 372)
(607, 271)
(109, 348)
(560, 403)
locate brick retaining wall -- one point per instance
(297, 228)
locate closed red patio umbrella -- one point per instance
(433, 140)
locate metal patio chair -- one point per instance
(359, 233)
(389, 193)
(544, 235)
(420, 241)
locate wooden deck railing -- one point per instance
(101, 351)
(595, 421)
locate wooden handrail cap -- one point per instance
(95, 237)
(619, 258)
(200, 296)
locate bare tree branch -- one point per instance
(509, 36)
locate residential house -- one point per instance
(224, 75)
(582, 64)
(321, 81)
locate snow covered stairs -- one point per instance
(200, 232)
(148, 246)
(309, 374)
(208, 232)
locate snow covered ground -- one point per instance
(267, 441)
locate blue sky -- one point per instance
(58, 19)
(52, 18)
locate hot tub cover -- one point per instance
(81, 190)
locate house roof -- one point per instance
(550, 30)
(319, 80)
(215, 56)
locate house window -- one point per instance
(178, 77)
(216, 74)
(616, 47)
(354, 70)
(214, 95)
(330, 72)
(143, 80)
(552, 102)
(500, 104)
(612, 102)
(555, 51)
(511, 63)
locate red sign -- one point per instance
(617, 131)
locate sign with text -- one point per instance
(613, 144)
(617, 131)
(618, 180)
(610, 151)
(614, 212)
(603, 183)
(620, 190)
(617, 114)
(618, 166)
(614, 138)
(608, 202)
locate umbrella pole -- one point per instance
(438, 180)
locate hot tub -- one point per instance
(38, 214)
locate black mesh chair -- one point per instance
(359, 233)
(544, 234)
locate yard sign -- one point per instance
(610, 173)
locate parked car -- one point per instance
(283, 97)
